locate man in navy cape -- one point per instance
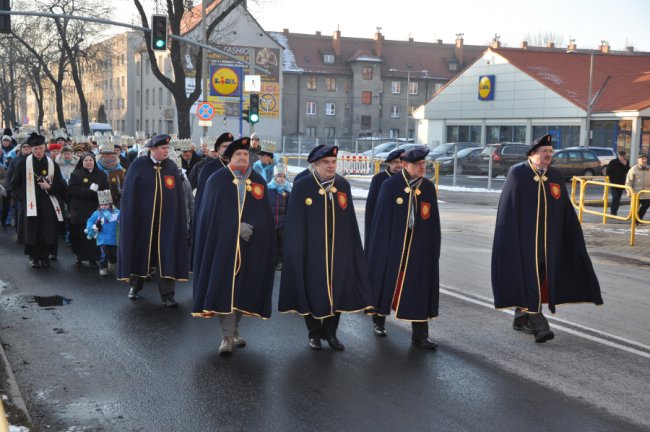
(310, 159)
(404, 249)
(153, 226)
(324, 271)
(539, 253)
(234, 251)
(212, 155)
(394, 166)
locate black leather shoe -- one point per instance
(45, 263)
(53, 257)
(34, 263)
(335, 344)
(314, 343)
(541, 328)
(425, 343)
(379, 330)
(522, 324)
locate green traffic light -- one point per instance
(254, 118)
(160, 43)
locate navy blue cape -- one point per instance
(304, 286)
(223, 283)
(371, 203)
(141, 184)
(302, 174)
(570, 274)
(387, 246)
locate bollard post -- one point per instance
(299, 151)
(606, 194)
(581, 205)
(377, 166)
(436, 173)
(455, 164)
(490, 168)
(633, 204)
(286, 162)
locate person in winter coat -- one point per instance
(67, 162)
(7, 147)
(101, 226)
(638, 178)
(279, 191)
(264, 166)
(109, 162)
(24, 151)
(85, 181)
(617, 171)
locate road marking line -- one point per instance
(487, 302)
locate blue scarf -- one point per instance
(286, 187)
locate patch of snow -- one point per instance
(547, 75)
(467, 189)
(288, 57)
(13, 428)
(359, 193)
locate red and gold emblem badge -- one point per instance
(170, 182)
(425, 210)
(556, 190)
(343, 200)
(257, 190)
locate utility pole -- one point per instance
(406, 111)
(589, 102)
(204, 62)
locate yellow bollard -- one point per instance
(4, 425)
(377, 166)
(635, 205)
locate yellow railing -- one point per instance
(632, 216)
(4, 425)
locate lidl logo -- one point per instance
(225, 82)
(486, 87)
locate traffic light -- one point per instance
(254, 108)
(245, 115)
(5, 20)
(159, 32)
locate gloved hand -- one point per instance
(94, 187)
(245, 231)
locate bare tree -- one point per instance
(176, 11)
(543, 39)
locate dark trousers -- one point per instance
(6, 206)
(616, 199)
(108, 255)
(322, 328)
(420, 329)
(279, 235)
(165, 286)
(643, 207)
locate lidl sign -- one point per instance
(225, 81)
(486, 87)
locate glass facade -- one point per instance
(645, 136)
(563, 136)
(499, 134)
(464, 134)
(615, 134)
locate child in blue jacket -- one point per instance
(102, 226)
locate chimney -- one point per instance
(410, 38)
(604, 47)
(439, 41)
(572, 46)
(629, 48)
(496, 43)
(317, 33)
(458, 50)
(285, 31)
(336, 43)
(550, 44)
(378, 39)
(524, 45)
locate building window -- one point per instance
(330, 83)
(366, 122)
(146, 126)
(393, 133)
(395, 87)
(170, 126)
(367, 73)
(146, 97)
(562, 136)
(311, 83)
(146, 66)
(413, 88)
(464, 134)
(160, 126)
(169, 98)
(160, 99)
(498, 134)
(437, 87)
(137, 124)
(311, 108)
(328, 58)
(366, 97)
(310, 132)
(395, 111)
(330, 132)
(330, 108)
(122, 129)
(137, 68)
(453, 66)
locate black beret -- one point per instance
(265, 153)
(324, 152)
(35, 139)
(310, 157)
(8, 132)
(242, 143)
(60, 138)
(224, 137)
(546, 140)
(158, 140)
(415, 154)
(394, 155)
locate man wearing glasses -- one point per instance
(255, 148)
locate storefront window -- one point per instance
(563, 136)
(615, 134)
(500, 134)
(645, 136)
(464, 134)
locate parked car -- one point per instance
(467, 162)
(447, 149)
(504, 156)
(383, 155)
(382, 148)
(605, 154)
(576, 163)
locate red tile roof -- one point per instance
(620, 82)
(192, 17)
(432, 57)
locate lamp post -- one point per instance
(408, 90)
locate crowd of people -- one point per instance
(228, 213)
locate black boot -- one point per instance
(420, 337)
(379, 328)
(522, 322)
(540, 327)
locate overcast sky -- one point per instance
(620, 22)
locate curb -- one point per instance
(15, 398)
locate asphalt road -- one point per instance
(102, 362)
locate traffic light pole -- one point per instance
(204, 62)
(134, 27)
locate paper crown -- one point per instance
(181, 145)
(279, 169)
(104, 197)
(268, 146)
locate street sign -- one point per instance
(205, 111)
(252, 83)
(205, 123)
